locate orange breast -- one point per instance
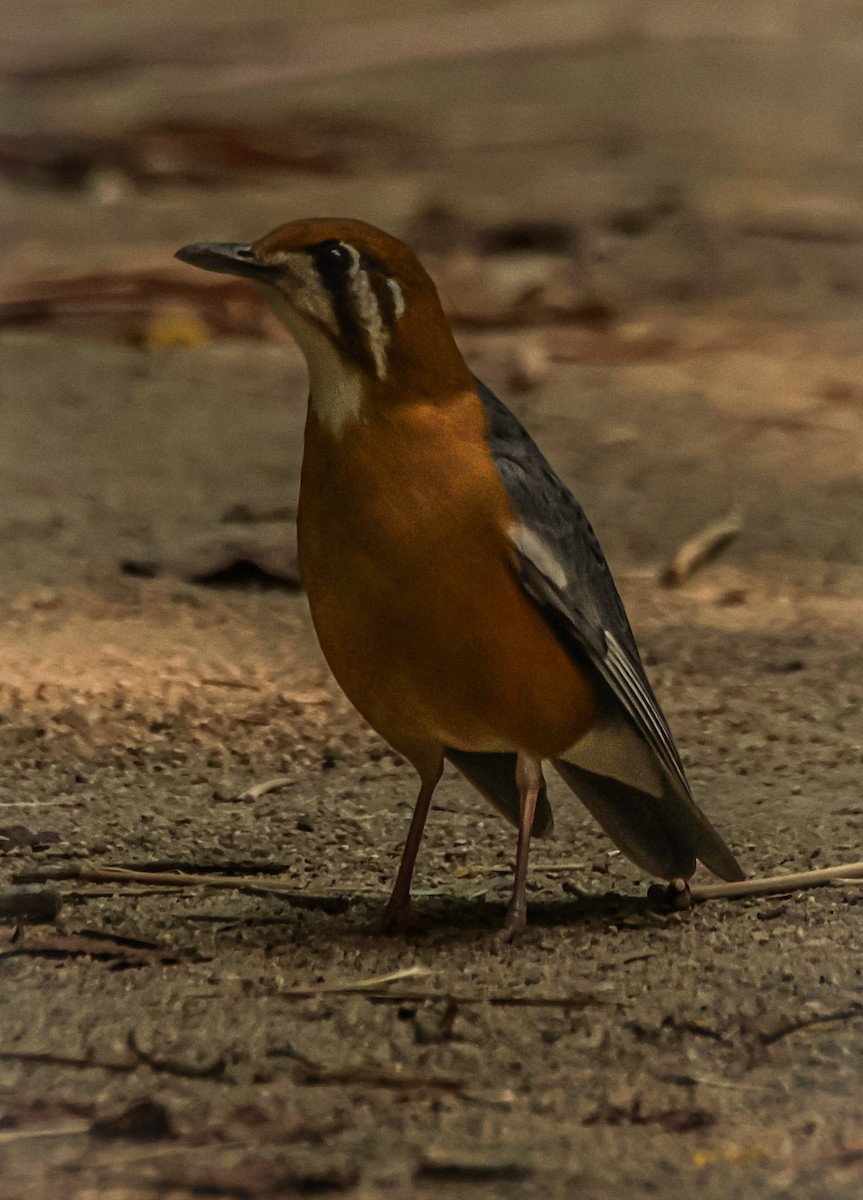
(404, 552)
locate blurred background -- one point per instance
(645, 220)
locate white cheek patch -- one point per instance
(336, 387)
(368, 313)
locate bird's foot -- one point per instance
(514, 925)
(398, 918)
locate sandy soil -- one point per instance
(213, 1042)
(659, 1054)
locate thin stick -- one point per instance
(44, 1058)
(90, 873)
(701, 548)
(268, 785)
(495, 1000)
(232, 683)
(31, 803)
(845, 1014)
(359, 985)
(95, 893)
(17, 1135)
(210, 1070)
(776, 885)
(377, 1077)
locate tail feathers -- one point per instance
(663, 834)
(494, 776)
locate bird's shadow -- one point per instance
(442, 919)
(452, 919)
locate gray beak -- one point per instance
(227, 258)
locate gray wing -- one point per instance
(563, 569)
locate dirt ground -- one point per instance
(237, 1042)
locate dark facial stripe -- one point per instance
(363, 304)
(353, 335)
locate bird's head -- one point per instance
(363, 310)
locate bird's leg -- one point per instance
(528, 777)
(397, 914)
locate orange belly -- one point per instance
(420, 615)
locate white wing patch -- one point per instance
(539, 553)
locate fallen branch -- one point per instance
(89, 873)
(775, 1035)
(777, 885)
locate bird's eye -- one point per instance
(332, 258)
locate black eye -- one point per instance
(332, 258)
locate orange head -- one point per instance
(363, 310)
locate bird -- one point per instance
(457, 589)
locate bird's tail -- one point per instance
(664, 834)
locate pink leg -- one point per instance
(397, 914)
(528, 774)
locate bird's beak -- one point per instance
(227, 258)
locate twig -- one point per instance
(701, 549)
(166, 1066)
(261, 789)
(776, 885)
(73, 1129)
(45, 1058)
(496, 1000)
(845, 1014)
(367, 985)
(31, 803)
(377, 1077)
(186, 867)
(103, 947)
(89, 873)
(95, 893)
(232, 683)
